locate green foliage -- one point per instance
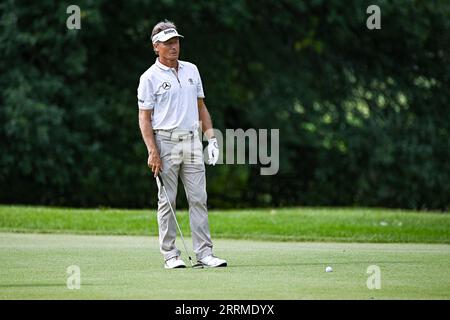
(363, 115)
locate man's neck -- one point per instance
(169, 63)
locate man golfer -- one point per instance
(171, 107)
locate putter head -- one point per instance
(195, 266)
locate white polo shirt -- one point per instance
(172, 98)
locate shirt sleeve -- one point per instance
(200, 93)
(145, 95)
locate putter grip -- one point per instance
(160, 180)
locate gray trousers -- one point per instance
(183, 159)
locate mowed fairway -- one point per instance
(33, 266)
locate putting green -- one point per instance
(34, 266)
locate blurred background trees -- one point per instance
(363, 114)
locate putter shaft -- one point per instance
(175, 217)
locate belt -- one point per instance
(178, 135)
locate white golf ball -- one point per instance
(329, 269)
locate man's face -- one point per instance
(168, 50)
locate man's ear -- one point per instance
(155, 47)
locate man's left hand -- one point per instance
(213, 151)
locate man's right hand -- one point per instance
(154, 162)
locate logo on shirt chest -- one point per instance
(191, 82)
(166, 85)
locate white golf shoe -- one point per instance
(174, 262)
(212, 262)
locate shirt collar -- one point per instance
(164, 67)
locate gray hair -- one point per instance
(163, 25)
(160, 26)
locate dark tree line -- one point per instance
(363, 114)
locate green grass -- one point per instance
(33, 266)
(294, 224)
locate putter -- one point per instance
(194, 266)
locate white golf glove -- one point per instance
(213, 151)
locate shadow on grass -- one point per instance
(31, 285)
(328, 263)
